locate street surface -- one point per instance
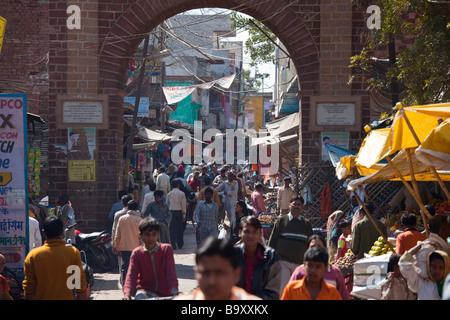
(107, 286)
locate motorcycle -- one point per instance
(89, 272)
(98, 249)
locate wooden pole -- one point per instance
(423, 210)
(135, 112)
(372, 219)
(411, 170)
(433, 169)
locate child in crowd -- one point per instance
(344, 242)
(333, 274)
(312, 286)
(395, 286)
(151, 272)
(438, 267)
(217, 272)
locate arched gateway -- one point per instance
(87, 67)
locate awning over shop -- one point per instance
(35, 117)
(269, 140)
(153, 136)
(409, 125)
(289, 100)
(435, 149)
(145, 146)
(284, 126)
(374, 146)
(422, 172)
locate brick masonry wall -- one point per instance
(24, 51)
(320, 36)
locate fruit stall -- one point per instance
(415, 147)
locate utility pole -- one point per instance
(163, 116)
(162, 43)
(135, 112)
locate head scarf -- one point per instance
(446, 258)
(333, 220)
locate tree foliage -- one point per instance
(257, 46)
(423, 67)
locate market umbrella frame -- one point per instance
(433, 169)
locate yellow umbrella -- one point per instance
(374, 146)
(375, 143)
(411, 125)
(422, 171)
(405, 167)
(435, 149)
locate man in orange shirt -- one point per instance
(312, 286)
(408, 238)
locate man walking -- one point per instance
(46, 267)
(284, 194)
(127, 236)
(288, 238)
(230, 190)
(163, 181)
(160, 211)
(176, 200)
(206, 216)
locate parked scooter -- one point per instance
(89, 272)
(98, 249)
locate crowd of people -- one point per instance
(291, 262)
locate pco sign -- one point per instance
(11, 103)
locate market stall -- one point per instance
(416, 149)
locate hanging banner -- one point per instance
(176, 94)
(13, 180)
(226, 82)
(2, 31)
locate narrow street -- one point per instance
(107, 287)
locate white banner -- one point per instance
(176, 94)
(13, 180)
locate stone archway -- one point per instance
(316, 33)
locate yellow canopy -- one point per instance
(423, 119)
(374, 146)
(347, 164)
(435, 149)
(422, 172)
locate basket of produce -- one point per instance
(346, 262)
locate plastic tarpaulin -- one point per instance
(270, 140)
(153, 136)
(336, 153)
(423, 120)
(345, 160)
(435, 149)
(284, 126)
(422, 172)
(345, 167)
